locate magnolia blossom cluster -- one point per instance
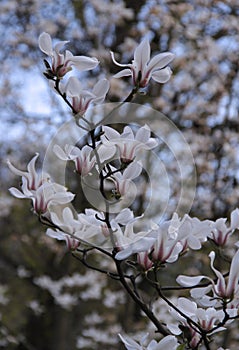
(115, 157)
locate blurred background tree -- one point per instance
(47, 299)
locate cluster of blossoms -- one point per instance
(115, 157)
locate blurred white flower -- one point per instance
(84, 158)
(81, 98)
(127, 143)
(63, 62)
(142, 68)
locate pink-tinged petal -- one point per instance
(45, 44)
(32, 171)
(162, 76)
(160, 61)
(16, 193)
(101, 88)
(233, 274)
(123, 73)
(84, 63)
(189, 281)
(142, 55)
(221, 285)
(234, 219)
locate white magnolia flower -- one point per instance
(39, 189)
(128, 242)
(81, 98)
(142, 68)
(221, 232)
(123, 181)
(127, 143)
(77, 228)
(32, 178)
(43, 197)
(166, 247)
(168, 342)
(224, 287)
(63, 62)
(191, 232)
(207, 319)
(83, 158)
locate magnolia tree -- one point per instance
(109, 146)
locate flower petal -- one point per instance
(162, 76)
(142, 55)
(123, 73)
(16, 193)
(160, 61)
(84, 63)
(101, 88)
(45, 43)
(188, 281)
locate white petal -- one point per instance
(169, 342)
(235, 219)
(143, 134)
(160, 61)
(130, 344)
(234, 273)
(45, 43)
(124, 216)
(31, 165)
(84, 63)
(16, 193)
(60, 153)
(124, 254)
(59, 46)
(73, 87)
(106, 152)
(132, 171)
(117, 63)
(123, 73)
(188, 281)
(142, 54)
(101, 88)
(162, 76)
(111, 133)
(199, 293)
(15, 170)
(55, 234)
